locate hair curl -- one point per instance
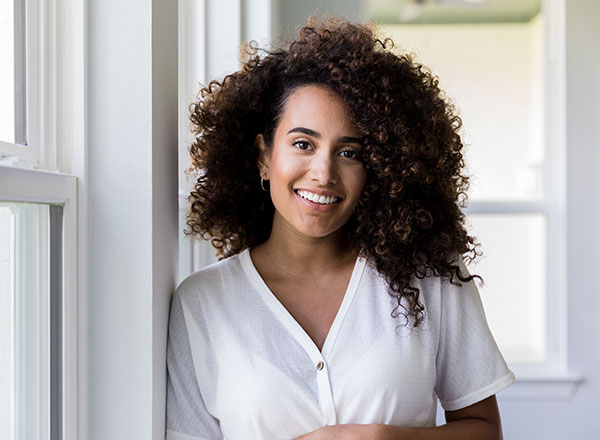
(408, 221)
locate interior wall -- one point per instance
(132, 177)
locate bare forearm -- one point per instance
(464, 429)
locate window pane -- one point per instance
(12, 72)
(7, 263)
(493, 72)
(513, 267)
(25, 348)
(7, 71)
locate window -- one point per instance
(31, 272)
(38, 259)
(12, 57)
(41, 78)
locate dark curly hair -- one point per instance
(408, 221)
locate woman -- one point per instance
(329, 182)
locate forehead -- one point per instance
(315, 106)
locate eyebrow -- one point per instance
(316, 134)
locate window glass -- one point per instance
(6, 322)
(513, 267)
(493, 72)
(7, 71)
(25, 349)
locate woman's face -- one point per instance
(314, 166)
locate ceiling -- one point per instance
(453, 11)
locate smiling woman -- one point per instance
(342, 307)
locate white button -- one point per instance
(320, 365)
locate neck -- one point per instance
(299, 255)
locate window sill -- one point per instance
(543, 387)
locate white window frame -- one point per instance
(24, 185)
(52, 169)
(30, 153)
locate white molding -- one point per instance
(508, 207)
(22, 152)
(37, 186)
(77, 411)
(192, 72)
(53, 31)
(554, 16)
(33, 81)
(20, 71)
(543, 387)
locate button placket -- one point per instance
(325, 393)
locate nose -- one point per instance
(323, 169)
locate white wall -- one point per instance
(132, 161)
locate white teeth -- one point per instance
(324, 200)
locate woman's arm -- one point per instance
(480, 421)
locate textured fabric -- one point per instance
(241, 367)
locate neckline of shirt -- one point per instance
(286, 318)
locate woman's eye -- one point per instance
(351, 154)
(302, 145)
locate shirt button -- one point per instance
(320, 365)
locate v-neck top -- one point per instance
(285, 316)
(240, 366)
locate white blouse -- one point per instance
(240, 366)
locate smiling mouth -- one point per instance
(315, 198)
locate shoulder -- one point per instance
(212, 278)
(437, 293)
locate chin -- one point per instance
(316, 232)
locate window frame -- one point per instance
(53, 169)
(35, 186)
(27, 89)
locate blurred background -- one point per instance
(94, 140)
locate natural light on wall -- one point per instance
(490, 64)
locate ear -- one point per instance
(264, 156)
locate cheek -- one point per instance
(356, 179)
(284, 169)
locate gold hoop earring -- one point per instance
(262, 185)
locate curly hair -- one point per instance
(408, 221)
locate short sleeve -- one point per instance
(470, 367)
(187, 415)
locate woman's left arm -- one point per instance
(480, 421)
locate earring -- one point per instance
(262, 185)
